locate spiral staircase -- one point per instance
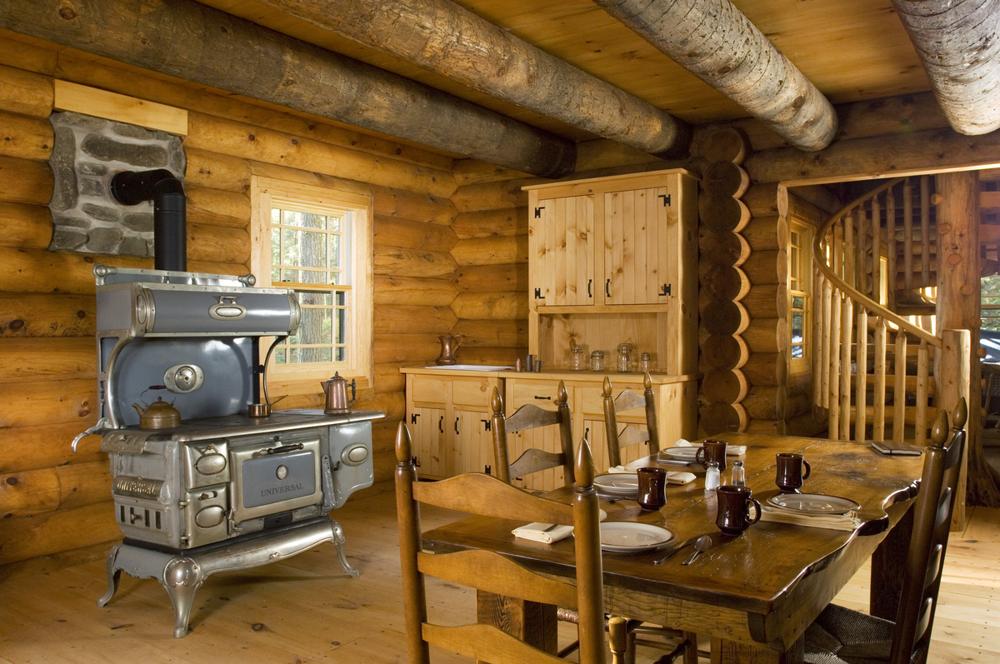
(878, 360)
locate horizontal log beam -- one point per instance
(491, 250)
(511, 277)
(959, 45)
(46, 446)
(494, 61)
(25, 92)
(48, 489)
(42, 534)
(391, 289)
(719, 45)
(49, 315)
(207, 46)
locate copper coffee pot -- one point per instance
(335, 389)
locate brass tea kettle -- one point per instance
(158, 415)
(335, 389)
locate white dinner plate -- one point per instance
(624, 485)
(813, 503)
(680, 453)
(630, 537)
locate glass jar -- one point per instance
(645, 362)
(597, 360)
(577, 358)
(624, 357)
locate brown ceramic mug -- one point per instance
(789, 475)
(735, 502)
(652, 488)
(712, 450)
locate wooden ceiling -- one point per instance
(851, 50)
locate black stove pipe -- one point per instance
(169, 212)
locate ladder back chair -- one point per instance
(840, 635)
(683, 644)
(530, 416)
(481, 494)
(630, 434)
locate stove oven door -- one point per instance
(275, 475)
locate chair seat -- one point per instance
(843, 636)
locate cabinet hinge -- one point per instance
(538, 294)
(488, 469)
(538, 211)
(666, 199)
(487, 425)
(413, 418)
(665, 289)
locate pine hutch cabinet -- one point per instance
(611, 260)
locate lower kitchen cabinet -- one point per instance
(449, 419)
(449, 416)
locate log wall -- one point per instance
(51, 500)
(491, 254)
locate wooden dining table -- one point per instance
(752, 595)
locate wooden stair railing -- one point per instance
(872, 368)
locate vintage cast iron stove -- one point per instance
(223, 490)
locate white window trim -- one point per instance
(292, 380)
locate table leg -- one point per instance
(530, 622)
(739, 652)
(887, 569)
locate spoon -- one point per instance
(701, 545)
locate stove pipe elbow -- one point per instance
(169, 212)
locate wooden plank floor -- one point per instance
(306, 610)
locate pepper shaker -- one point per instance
(713, 477)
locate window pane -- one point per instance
(341, 326)
(318, 298)
(798, 320)
(798, 302)
(316, 354)
(798, 352)
(275, 216)
(333, 254)
(316, 327)
(279, 355)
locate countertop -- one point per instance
(558, 373)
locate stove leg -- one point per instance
(114, 573)
(340, 542)
(181, 579)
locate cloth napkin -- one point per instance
(540, 532)
(846, 522)
(673, 477)
(731, 450)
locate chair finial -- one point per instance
(563, 394)
(607, 386)
(496, 402)
(960, 414)
(584, 475)
(404, 447)
(647, 381)
(939, 431)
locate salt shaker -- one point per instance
(739, 474)
(713, 477)
(597, 360)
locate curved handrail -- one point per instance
(820, 261)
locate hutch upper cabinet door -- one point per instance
(561, 250)
(640, 245)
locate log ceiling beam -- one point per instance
(959, 44)
(443, 37)
(188, 40)
(717, 43)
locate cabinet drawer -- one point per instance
(431, 389)
(542, 393)
(590, 401)
(472, 392)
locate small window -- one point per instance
(317, 241)
(799, 280)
